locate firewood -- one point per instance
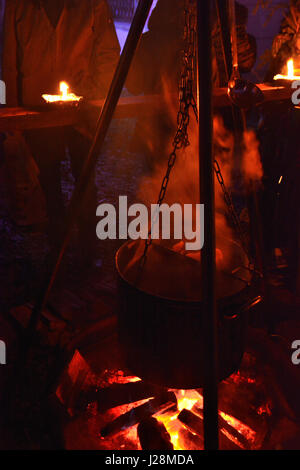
(191, 421)
(195, 424)
(153, 435)
(165, 401)
(119, 394)
(190, 441)
(229, 429)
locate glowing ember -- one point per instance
(244, 430)
(186, 399)
(290, 73)
(183, 422)
(192, 400)
(64, 95)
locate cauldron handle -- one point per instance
(245, 308)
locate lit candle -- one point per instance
(63, 87)
(290, 73)
(63, 96)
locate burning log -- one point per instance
(153, 435)
(191, 421)
(223, 425)
(163, 402)
(120, 394)
(190, 440)
(194, 424)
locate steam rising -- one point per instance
(183, 186)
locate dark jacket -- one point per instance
(159, 54)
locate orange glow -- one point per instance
(186, 399)
(64, 95)
(63, 88)
(181, 436)
(247, 432)
(290, 72)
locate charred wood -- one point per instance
(119, 394)
(164, 401)
(195, 425)
(227, 428)
(153, 435)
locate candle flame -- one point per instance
(63, 96)
(63, 88)
(290, 72)
(290, 67)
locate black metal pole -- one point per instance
(103, 124)
(207, 197)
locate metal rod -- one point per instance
(207, 197)
(103, 124)
(220, 17)
(233, 35)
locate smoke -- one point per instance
(251, 160)
(183, 186)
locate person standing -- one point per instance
(45, 42)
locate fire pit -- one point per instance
(121, 412)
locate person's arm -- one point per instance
(106, 51)
(10, 73)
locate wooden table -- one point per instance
(19, 119)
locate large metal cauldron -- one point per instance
(160, 315)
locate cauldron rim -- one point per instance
(220, 299)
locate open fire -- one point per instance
(64, 96)
(176, 418)
(290, 75)
(123, 412)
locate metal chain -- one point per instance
(181, 139)
(232, 212)
(186, 101)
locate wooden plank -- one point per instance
(132, 106)
(149, 104)
(279, 93)
(271, 93)
(19, 119)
